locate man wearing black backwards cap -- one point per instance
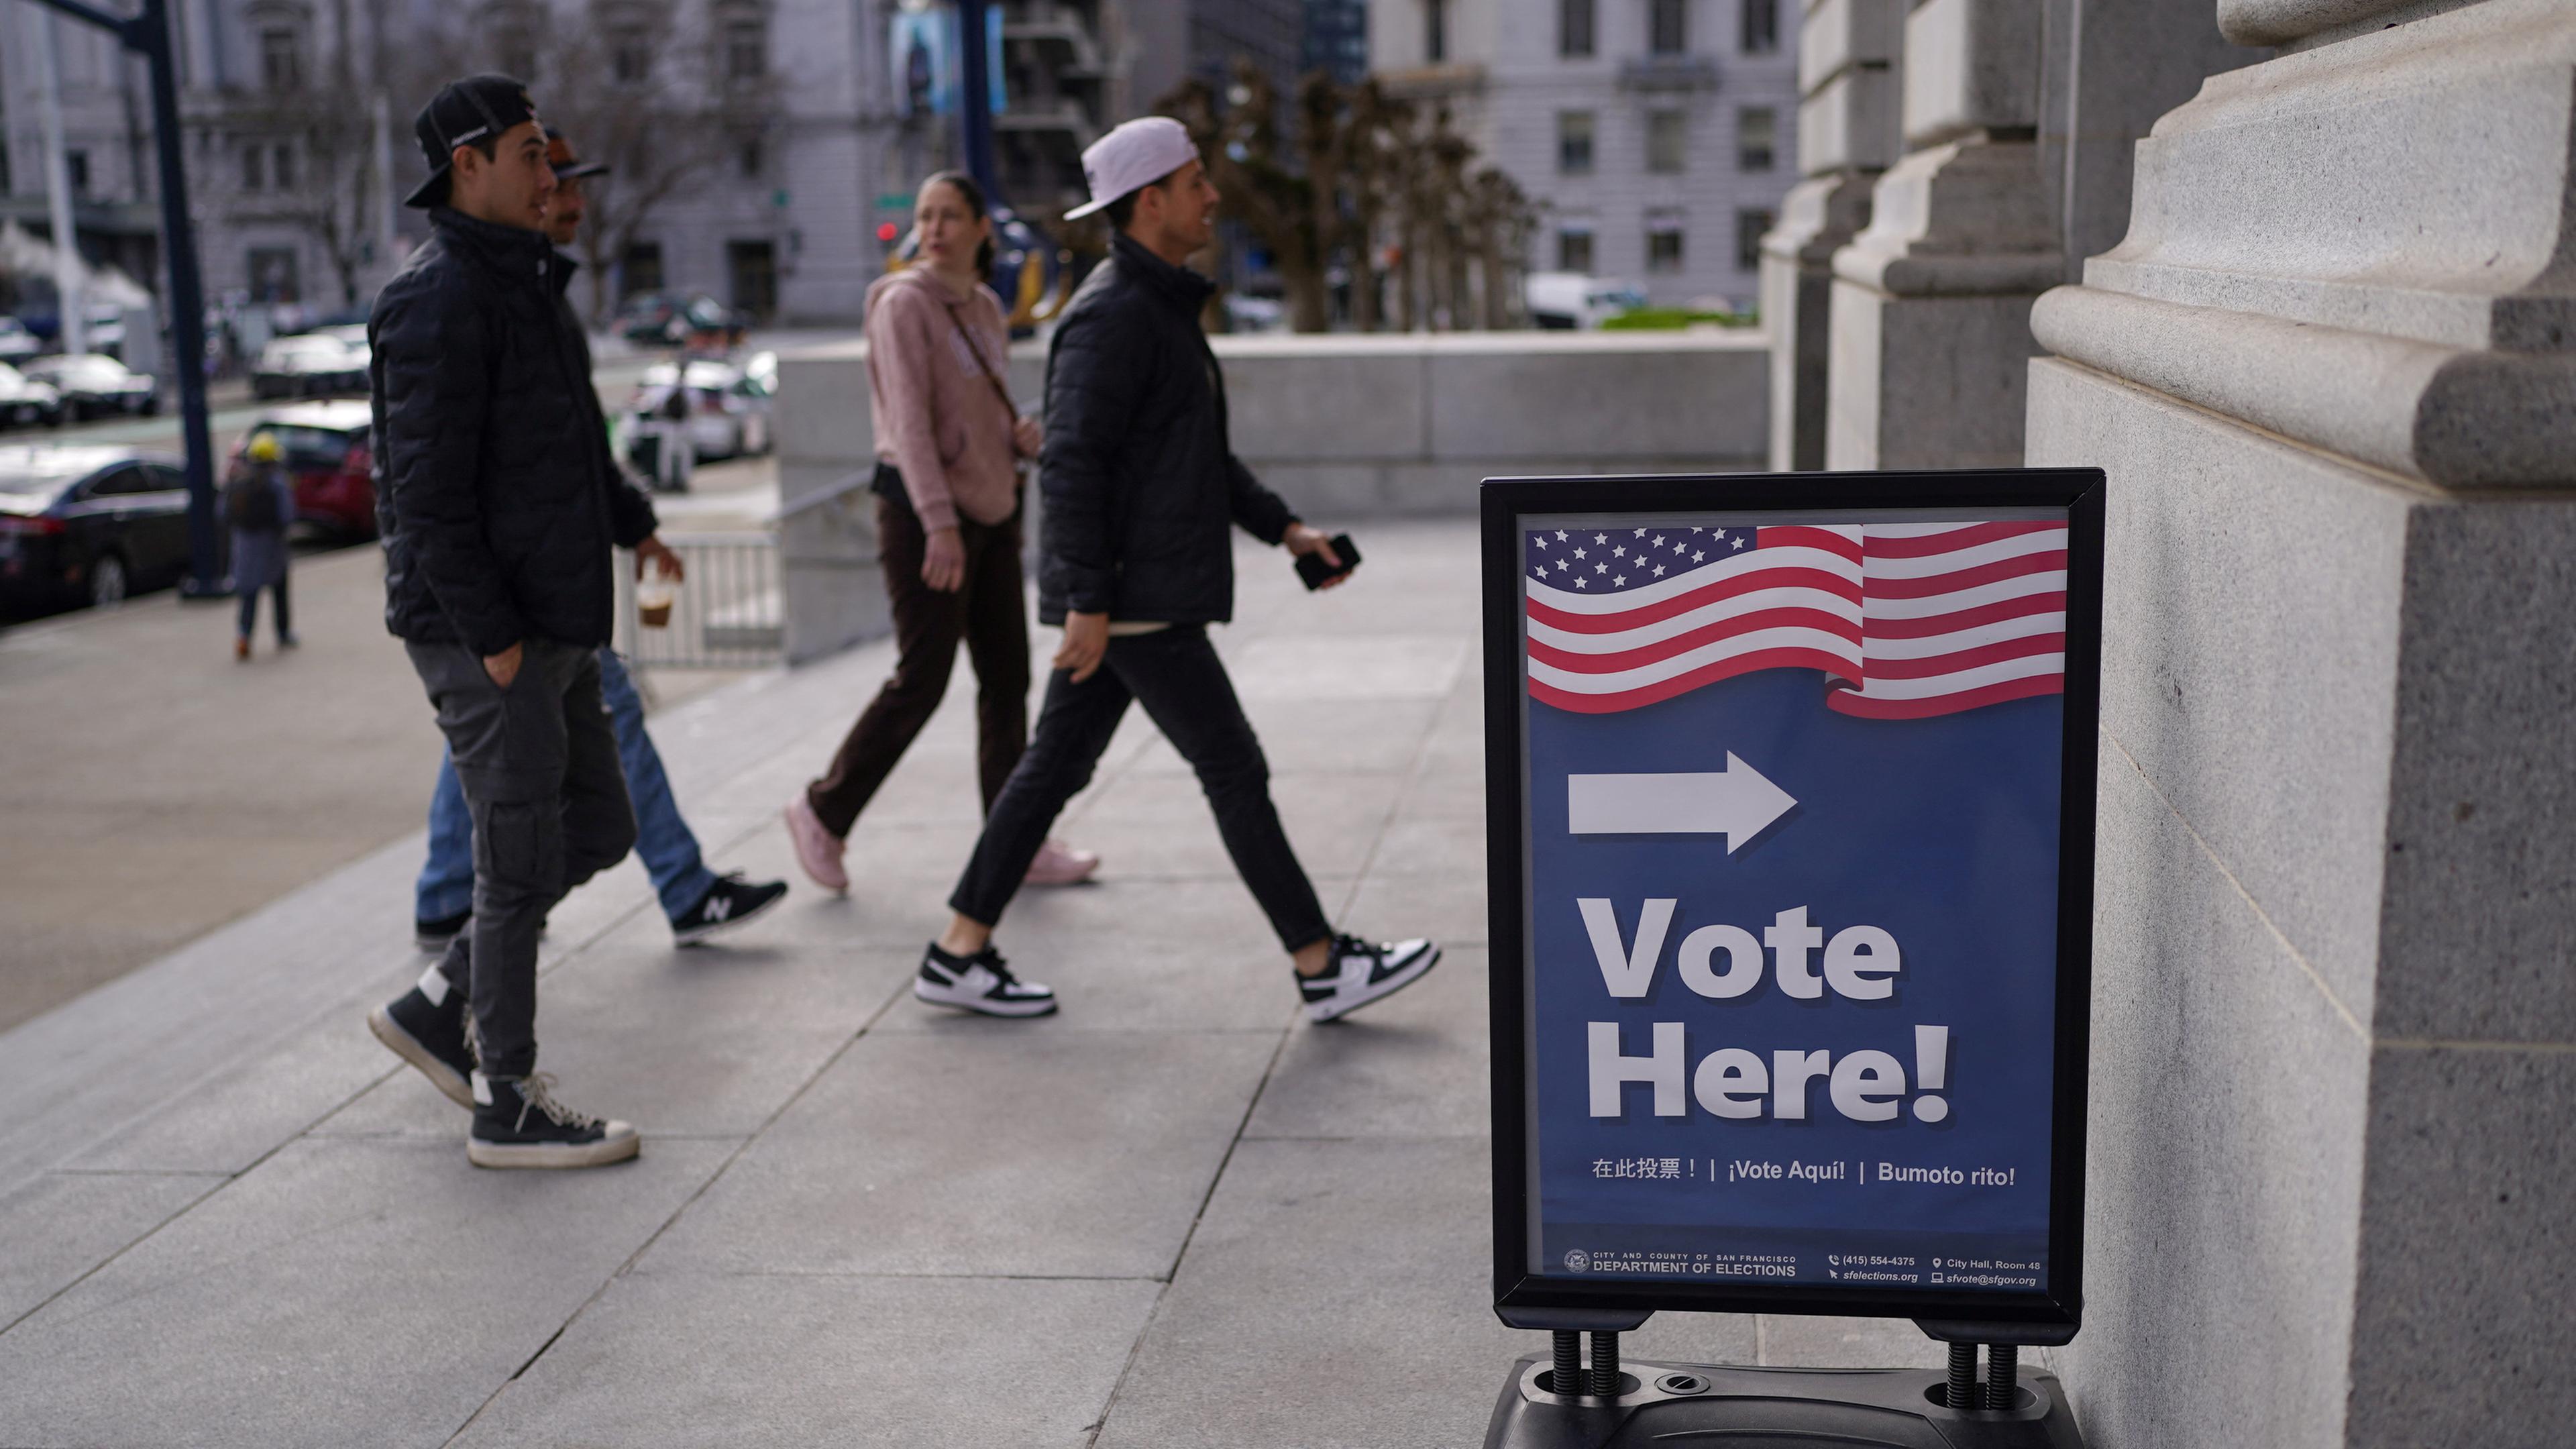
(499, 504)
(1135, 561)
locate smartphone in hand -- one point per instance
(1317, 573)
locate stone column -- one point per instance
(1847, 135)
(2331, 373)
(1930, 331)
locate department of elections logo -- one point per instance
(1577, 1260)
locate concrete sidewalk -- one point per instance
(1170, 1216)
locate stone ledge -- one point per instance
(2424, 411)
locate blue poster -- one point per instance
(1792, 888)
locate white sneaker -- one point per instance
(1362, 972)
(979, 983)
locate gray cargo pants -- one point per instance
(539, 765)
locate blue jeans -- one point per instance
(662, 840)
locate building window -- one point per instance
(639, 269)
(1663, 244)
(77, 163)
(254, 168)
(751, 157)
(1761, 26)
(281, 164)
(1756, 138)
(1574, 251)
(1435, 31)
(1668, 26)
(746, 48)
(281, 59)
(272, 275)
(1667, 142)
(1574, 143)
(1750, 228)
(630, 55)
(1574, 28)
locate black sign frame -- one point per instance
(1528, 1299)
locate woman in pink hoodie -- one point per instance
(949, 445)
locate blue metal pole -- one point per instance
(149, 33)
(974, 17)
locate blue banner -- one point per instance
(1793, 805)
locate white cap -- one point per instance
(1135, 155)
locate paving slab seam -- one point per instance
(183, 1210)
(2296, 956)
(2432, 1044)
(1198, 1217)
(1412, 774)
(900, 992)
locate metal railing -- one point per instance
(728, 614)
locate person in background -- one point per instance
(1135, 561)
(697, 902)
(259, 504)
(949, 445)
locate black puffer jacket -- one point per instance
(495, 489)
(1138, 478)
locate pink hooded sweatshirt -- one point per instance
(939, 420)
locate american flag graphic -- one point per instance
(1905, 620)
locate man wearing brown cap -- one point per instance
(499, 505)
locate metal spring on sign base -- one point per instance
(1963, 1376)
(1605, 1365)
(1569, 1362)
(2003, 1363)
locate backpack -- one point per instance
(250, 502)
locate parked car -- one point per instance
(724, 409)
(669, 319)
(25, 402)
(308, 364)
(17, 344)
(82, 522)
(324, 445)
(1571, 300)
(94, 386)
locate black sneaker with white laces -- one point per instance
(1361, 972)
(981, 983)
(518, 1123)
(727, 904)
(431, 1027)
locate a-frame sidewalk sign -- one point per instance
(1790, 796)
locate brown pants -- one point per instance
(987, 614)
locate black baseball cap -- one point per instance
(464, 111)
(567, 162)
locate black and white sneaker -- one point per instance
(518, 1123)
(433, 935)
(981, 983)
(431, 1026)
(1362, 972)
(727, 904)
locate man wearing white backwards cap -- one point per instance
(1135, 562)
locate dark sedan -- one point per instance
(89, 524)
(94, 386)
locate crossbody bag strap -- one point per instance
(1001, 389)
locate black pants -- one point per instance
(542, 780)
(250, 609)
(987, 614)
(1176, 675)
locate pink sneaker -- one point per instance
(817, 849)
(1061, 864)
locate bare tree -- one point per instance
(615, 80)
(319, 155)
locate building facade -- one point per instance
(1657, 136)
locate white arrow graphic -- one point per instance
(1736, 802)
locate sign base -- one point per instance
(1773, 1408)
